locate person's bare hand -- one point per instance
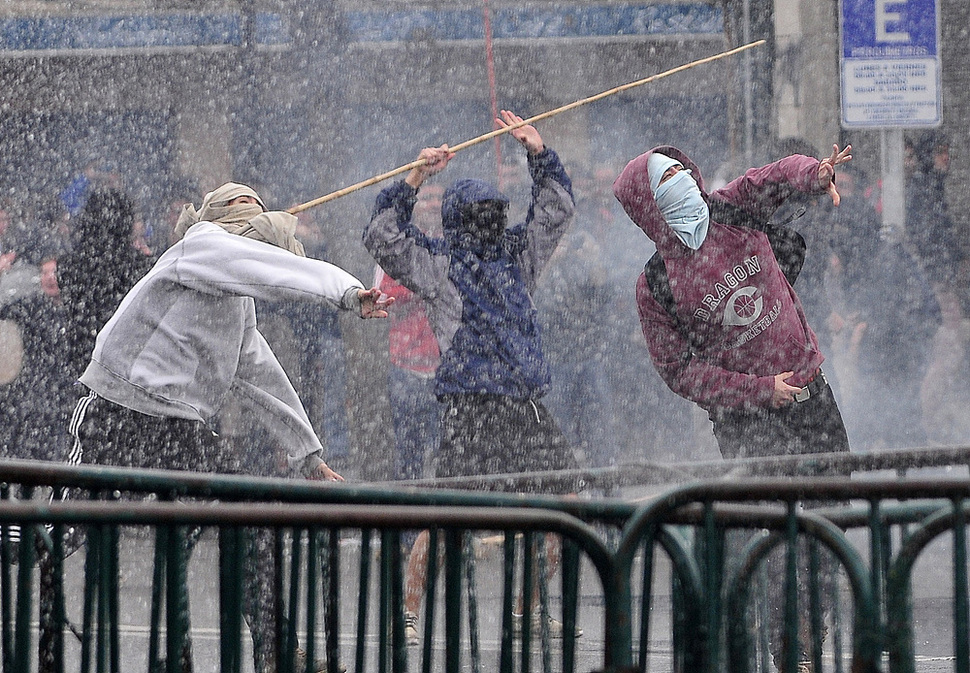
(374, 303)
(324, 473)
(435, 159)
(527, 135)
(826, 171)
(783, 393)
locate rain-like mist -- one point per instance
(149, 105)
(119, 117)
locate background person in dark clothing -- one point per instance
(576, 344)
(101, 268)
(929, 227)
(36, 402)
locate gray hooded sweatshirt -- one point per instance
(184, 341)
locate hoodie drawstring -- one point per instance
(535, 409)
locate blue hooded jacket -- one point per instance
(477, 289)
(497, 349)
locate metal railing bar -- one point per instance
(570, 600)
(236, 488)
(363, 593)
(273, 515)
(453, 579)
(176, 483)
(332, 619)
(506, 657)
(431, 590)
(230, 590)
(474, 645)
(313, 576)
(961, 619)
(384, 638)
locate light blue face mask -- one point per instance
(684, 209)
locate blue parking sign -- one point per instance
(890, 63)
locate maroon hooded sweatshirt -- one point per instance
(745, 321)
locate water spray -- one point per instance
(531, 120)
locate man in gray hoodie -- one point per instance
(184, 343)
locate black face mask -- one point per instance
(485, 219)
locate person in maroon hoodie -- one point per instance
(731, 335)
(723, 324)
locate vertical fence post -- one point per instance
(961, 622)
(790, 644)
(313, 585)
(290, 631)
(178, 647)
(528, 577)
(506, 658)
(384, 609)
(877, 549)
(430, 592)
(158, 589)
(24, 593)
(570, 603)
(362, 598)
(399, 647)
(6, 594)
(453, 581)
(332, 602)
(231, 554)
(474, 648)
(542, 581)
(712, 561)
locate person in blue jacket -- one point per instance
(477, 283)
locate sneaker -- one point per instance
(555, 626)
(319, 665)
(411, 629)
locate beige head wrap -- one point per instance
(245, 219)
(274, 227)
(215, 209)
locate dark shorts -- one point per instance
(492, 434)
(109, 434)
(812, 426)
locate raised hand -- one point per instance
(826, 171)
(435, 160)
(527, 135)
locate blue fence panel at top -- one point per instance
(184, 30)
(149, 31)
(533, 23)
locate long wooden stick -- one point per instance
(531, 120)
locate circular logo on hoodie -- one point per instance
(742, 307)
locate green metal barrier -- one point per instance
(717, 607)
(305, 525)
